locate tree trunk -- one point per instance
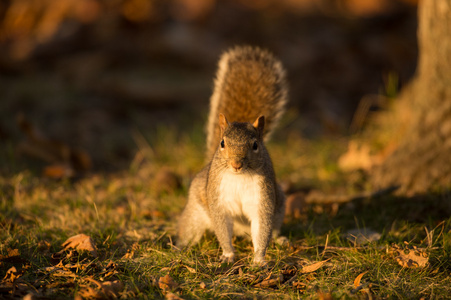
(422, 160)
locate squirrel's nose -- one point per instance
(236, 164)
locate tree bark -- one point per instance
(422, 160)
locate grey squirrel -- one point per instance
(236, 192)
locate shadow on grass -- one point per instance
(396, 217)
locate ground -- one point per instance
(131, 223)
(101, 134)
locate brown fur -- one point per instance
(249, 83)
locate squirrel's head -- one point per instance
(241, 147)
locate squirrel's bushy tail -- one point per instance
(250, 82)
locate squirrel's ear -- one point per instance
(223, 123)
(259, 124)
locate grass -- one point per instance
(132, 223)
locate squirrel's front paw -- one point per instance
(228, 258)
(259, 261)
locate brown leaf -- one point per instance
(105, 290)
(63, 254)
(129, 254)
(110, 269)
(313, 267)
(412, 258)
(58, 171)
(12, 256)
(270, 282)
(11, 275)
(57, 271)
(13, 252)
(167, 283)
(81, 242)
(358, 278)
(172, 296)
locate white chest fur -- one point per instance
(240, 194)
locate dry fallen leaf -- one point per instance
(12, 256)
(270, 281)
(313, 267)
(105, 290)
(11, 275)
(57, 171)
(166, 283)
(358, 278)
(110, 269)
(129, 254)
(411, 258)
(81, 242)
(57, 271)
(172, 296)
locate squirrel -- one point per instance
(236, 192)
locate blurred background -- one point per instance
(81, 79)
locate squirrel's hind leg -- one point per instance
(193, 223)
(194, 220)
(279, 214)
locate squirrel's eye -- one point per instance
(255, 146)
(222, 144)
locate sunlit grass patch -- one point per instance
(132, 220)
